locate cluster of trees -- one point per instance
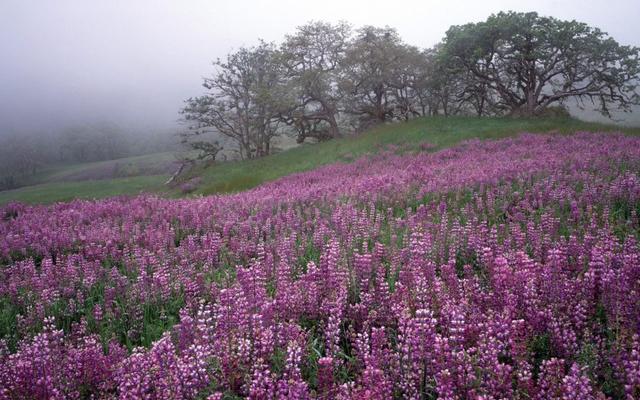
(23, 155)
(326, 80)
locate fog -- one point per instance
(133, 63)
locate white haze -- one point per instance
(134, 62)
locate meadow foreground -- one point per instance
(496, 269)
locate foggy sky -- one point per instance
(133, 62)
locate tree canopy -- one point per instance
(326, 80)
(527, 62)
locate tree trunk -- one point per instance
(481, 106)
(334, 130)
(380, 112)
(530, 109)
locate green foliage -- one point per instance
(541, 349)
(278, 361)
(310, 254)
(9, 322)
(523, 62)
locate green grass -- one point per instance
(441, 132)
(65, 191)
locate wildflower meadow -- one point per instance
(504, 269)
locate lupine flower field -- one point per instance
(491, 270)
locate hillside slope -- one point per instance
(432, 133)
(95, 179)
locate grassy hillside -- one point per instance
(91, 189)
(440, 132)
(129, 175)
(142, 174)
